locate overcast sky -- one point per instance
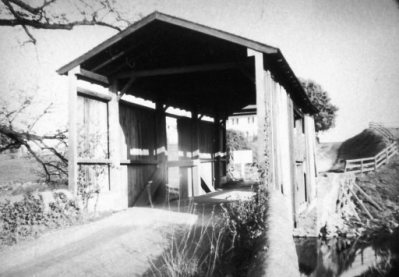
(350, 47)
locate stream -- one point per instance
(349, 257)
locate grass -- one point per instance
(366, 144)
(17, 170)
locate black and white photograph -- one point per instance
(199, 138)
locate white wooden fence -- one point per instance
(372, 163)
(382, 129)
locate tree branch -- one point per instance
(29, 8)
(25, 15)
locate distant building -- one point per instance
(244, 121)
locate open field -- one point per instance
(18, 170)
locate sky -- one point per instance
(349, 47)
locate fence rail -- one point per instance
(382, 129)
(371, 163)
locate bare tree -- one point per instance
(59, 14)
(48, 150)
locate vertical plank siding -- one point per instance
(92, 128)
(138, 140)
(92, 143)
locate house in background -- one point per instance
(208, 75)
(244, 121)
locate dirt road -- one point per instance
(120, 245)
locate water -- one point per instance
(347, 258)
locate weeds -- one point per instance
(221, 244)
(193, 251)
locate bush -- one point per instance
(29, 217)
(245, 222)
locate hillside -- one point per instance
(383, 186)
(366, 144)
(331, 156)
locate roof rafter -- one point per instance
(181, 70)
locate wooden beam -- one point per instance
(94, 94)
(195, 149)
(126, 51)
(264, 114)
(139, 162)
(118, 187)
(72, 129)
(217, 149)
(110, 60)
(290, 108)
(94, 161)
(180, 70)
(181, 163)
(127, 86)
(161, 145)
(93, 77)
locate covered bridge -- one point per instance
(121, 146)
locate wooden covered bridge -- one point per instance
(206, 73)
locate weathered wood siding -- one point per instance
(92, 142)
(198, 153)
(139, 133)
(138, 148)
(310, 139)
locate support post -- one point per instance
(195, 149)
(223, 150)
(72, 126)
(264, 112)
(292, 157)
(161, 144)
(217, 151)
(117, 188)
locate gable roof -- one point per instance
(275, 58)
(157, 16)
